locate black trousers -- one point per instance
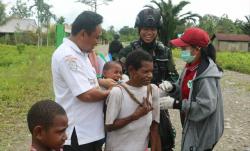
(93, 146)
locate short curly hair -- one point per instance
(43, 113)
(136, 57)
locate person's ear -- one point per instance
(131, 71)
(38, 132)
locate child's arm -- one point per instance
(155, 137)
(139, 112)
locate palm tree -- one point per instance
(172, 18)
(246, 26)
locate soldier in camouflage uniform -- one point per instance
(148, 23)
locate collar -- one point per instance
(74, 47)
(193, 66)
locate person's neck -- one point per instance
(74, 40)
(134, 83)
(150, 45)
(38, 146)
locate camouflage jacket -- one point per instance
(164, 66)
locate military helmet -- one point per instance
(148, 18)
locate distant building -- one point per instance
(14, 25)
(231, 42)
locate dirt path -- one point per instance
(236, 96)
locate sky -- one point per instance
(121, 13)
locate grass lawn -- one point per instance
(25, 78)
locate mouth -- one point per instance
(148, 37)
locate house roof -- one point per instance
(232, 37)
(17, 25)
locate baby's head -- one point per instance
(47, 122)
(112, 70)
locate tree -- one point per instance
(2, 13)
(94, 3)
(128, 33)
(46, 17)
(172, 18)
(209, 23)
(226, 25)
(43, 16)
(246, 26)
(60, 20)
(20, 10)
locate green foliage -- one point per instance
(172, 18)
(20, 48)
(60, 20)
(246, 25)
(128, 34)
(235, 61)
(2, 13)
(20, 10)
(213, 24)
(25, 78)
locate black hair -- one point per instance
(87, 21)
(136, 57)
(43, 113)
(209, 52)
(109, 64)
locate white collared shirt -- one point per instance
(73, 75)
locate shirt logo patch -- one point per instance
(72, 63)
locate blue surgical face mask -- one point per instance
(186, 56)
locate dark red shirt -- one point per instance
(189, 75)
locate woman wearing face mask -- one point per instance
(197, 93)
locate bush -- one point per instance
(20, 48)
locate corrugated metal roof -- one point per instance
(232, 37)
(17, 25)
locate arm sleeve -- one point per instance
(114, 102)
(155, 104)
(205, 102)
(74, 76)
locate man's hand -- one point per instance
(166, 86)
(107, 83)
(166, 103)
(142, 110)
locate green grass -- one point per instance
(25, 78)
(235, 61)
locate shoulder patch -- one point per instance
(72, 62)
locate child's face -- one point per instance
(55, 136)
(115, 72)
(143, 75)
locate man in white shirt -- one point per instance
(76, 86)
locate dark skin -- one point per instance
(138, 78)
(53, 137)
